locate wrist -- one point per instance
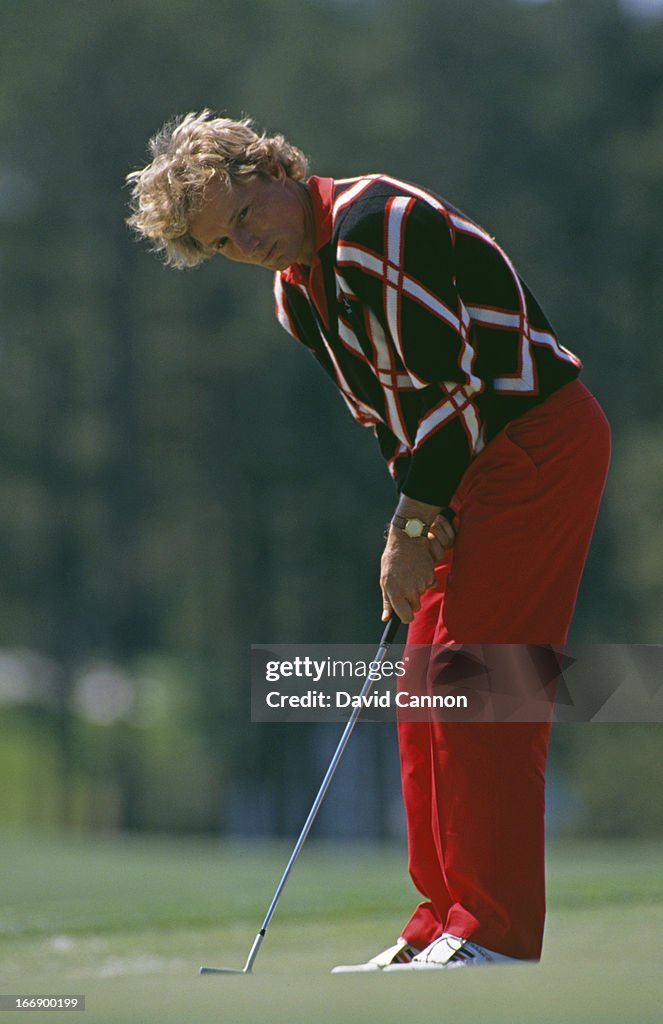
(409, 527)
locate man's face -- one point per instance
(266, 221)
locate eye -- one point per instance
(242, 214)
(221, 244)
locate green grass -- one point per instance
(127, 922)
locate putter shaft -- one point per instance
(388, 637)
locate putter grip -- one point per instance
(391, 629)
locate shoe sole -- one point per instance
(357, 969)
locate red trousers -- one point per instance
(474, 792)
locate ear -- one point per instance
(276, 171)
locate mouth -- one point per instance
(270, 253)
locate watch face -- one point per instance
(414, 528)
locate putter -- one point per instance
(388, 638)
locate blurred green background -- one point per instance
(179, 481)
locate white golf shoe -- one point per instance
(400, 954)
(450, 951)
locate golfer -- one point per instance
(499, 455)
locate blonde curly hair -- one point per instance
(186, 153)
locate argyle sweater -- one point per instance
(423, 323)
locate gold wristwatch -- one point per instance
(411, 526)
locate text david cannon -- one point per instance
(402, 699)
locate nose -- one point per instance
(246, 243)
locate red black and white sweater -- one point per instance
(422, 321)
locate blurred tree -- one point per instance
(175, 473)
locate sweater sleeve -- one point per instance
(398, 258)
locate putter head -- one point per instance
(222, 970)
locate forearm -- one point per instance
(411, 507)
(437, 465)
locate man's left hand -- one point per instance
(408, 568)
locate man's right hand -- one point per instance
(441, 536)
